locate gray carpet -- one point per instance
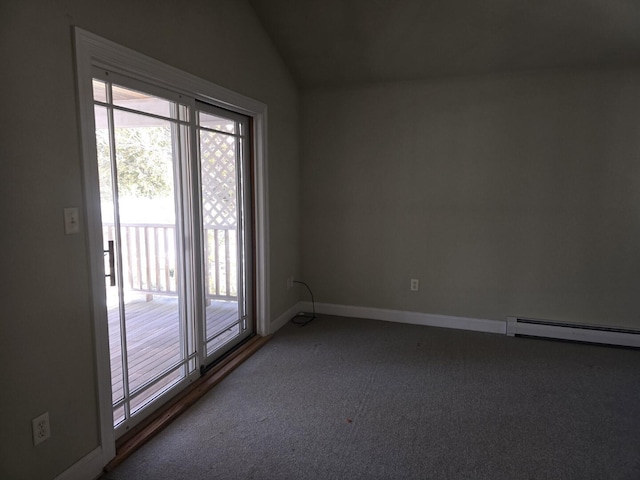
(346, 398)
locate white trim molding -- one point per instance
(415, 318)
(280, 321)
(598, 334)
(92, 51)
(89, 467)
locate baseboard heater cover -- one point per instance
(573, 331)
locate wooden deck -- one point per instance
(153, 340)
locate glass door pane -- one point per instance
(146, 207)
(138, 165)
(225, 213)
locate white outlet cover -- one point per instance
(41, 428)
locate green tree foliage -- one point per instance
(144, 162)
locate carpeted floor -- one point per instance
(346, 398)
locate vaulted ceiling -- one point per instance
(343, 42)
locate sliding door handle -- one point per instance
(112, 263)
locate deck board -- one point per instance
(152, 337)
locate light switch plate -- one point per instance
(71, 221)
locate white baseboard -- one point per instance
(538, 328)
(416, 318)
(282, 320)
(88, 467)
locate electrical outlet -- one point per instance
(290, 282)
(415, 284)
(41, 428)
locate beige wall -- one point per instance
(504, 195)
(46, 343)
(509, 195)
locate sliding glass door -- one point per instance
(175, 197)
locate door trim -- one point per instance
(94, 51)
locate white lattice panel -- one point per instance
(218, 157)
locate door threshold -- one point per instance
(142, 433)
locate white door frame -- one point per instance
(94, 51)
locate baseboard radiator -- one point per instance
(573, 331)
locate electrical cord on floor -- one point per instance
(308, 319)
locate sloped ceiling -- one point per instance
(346, 42)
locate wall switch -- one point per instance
(415, 284)
(41, 428)
(71, 221)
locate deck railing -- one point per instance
(149, 259)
